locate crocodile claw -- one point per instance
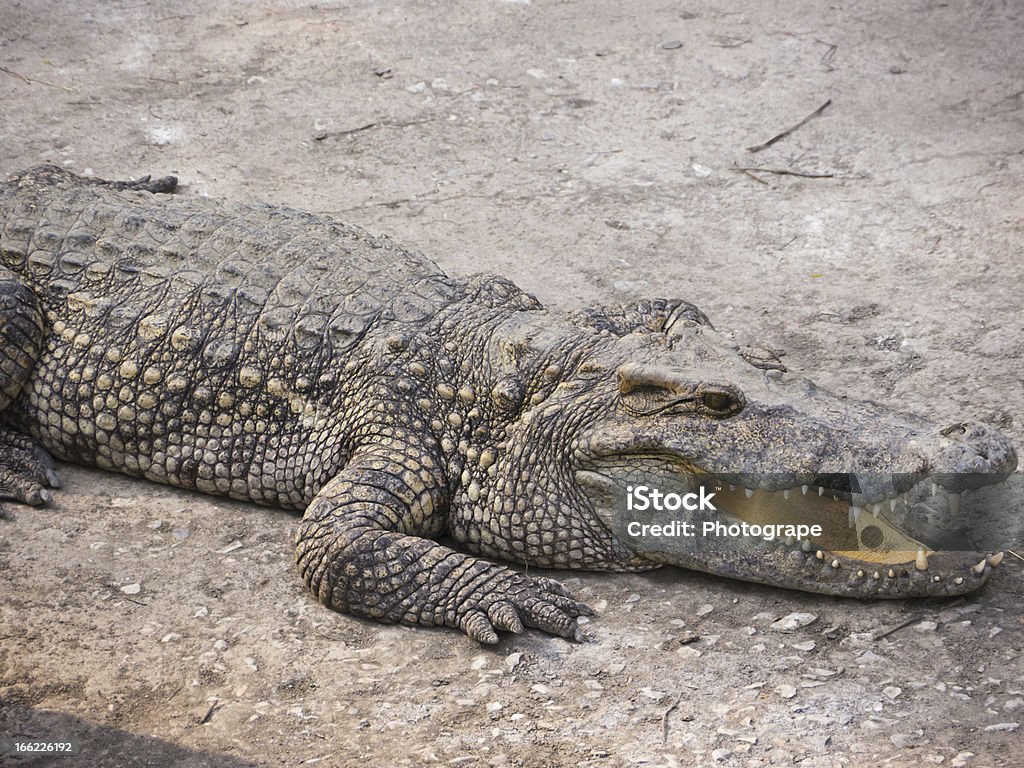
(26, 470)
(520, 601)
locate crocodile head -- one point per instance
(685, 410)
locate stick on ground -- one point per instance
(785, 133)
(782, 172)
(29, 80)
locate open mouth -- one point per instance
(867, 534)
(836, 533)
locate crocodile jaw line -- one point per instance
(876, 557)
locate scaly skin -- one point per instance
(277, 356)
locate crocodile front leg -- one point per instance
(26, 470)
(362, 549)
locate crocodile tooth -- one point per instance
(922, 561)
(835, 563)
(995, 559)
(748, 492)
(980, 567)
(805, 545)
(936, 579)
(954, 503)
(876, 575)
(820, 555)
(891, 574)
(860, 574)
(803, 489)
(876, 509)
(855, 511)
(892, 506)
(958, 580)
(790, 541)
(935, 488)
(785, 493)
(821, 491)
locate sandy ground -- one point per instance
(588, 152)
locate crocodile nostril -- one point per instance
(957, 430)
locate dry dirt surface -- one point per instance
(590, 152)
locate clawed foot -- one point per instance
(26, 471)
(514, 601)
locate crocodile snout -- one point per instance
(971, 448)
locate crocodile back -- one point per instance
(175, 324)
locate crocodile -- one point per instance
(281, 357)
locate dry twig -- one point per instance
(897, 628)
(782, 172)
(664, 718)
(785, 133)
(29, 80)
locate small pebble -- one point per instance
(671, 45)
(132, 589)
(868, 657)
(1002, 727)
(892, 691)
(793, 621)
(705, 609)
(904, 740)
(786, 691)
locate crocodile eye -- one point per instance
(720, 403)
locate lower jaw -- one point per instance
(833, 573)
